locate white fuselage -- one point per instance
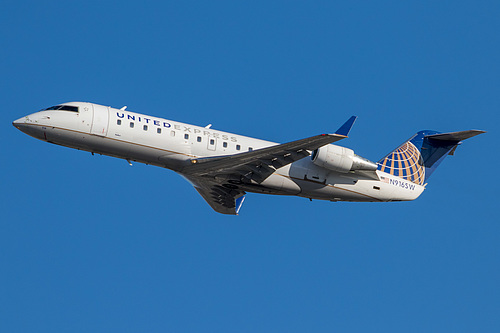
(170, 144)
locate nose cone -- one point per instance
(33, 125)
(20, 123)
(27, 124)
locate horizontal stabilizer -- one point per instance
(455, 136)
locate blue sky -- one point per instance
(88, 243)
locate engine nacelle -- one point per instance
(341, 159)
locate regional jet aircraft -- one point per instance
(223, 166)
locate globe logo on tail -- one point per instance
(405, 162)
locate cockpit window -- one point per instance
(63, 108)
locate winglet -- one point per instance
(239, 203)
(344, 129)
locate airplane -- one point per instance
(223, 166)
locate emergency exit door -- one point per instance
(212, 143)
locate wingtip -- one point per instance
(346, 127)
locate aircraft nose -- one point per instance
(19, 122)
(24, 124)
(27, 124)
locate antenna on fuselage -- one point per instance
(208, 126)
(123, 108)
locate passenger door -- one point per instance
(100, 120)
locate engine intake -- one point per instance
(341, 159)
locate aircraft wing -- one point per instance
(225, 200)
(259, 164)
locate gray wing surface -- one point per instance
(212, 176)
(225, 200)
(259, 164)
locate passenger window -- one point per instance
(118, 121)
(145, 127)
(131, 125)
(250, 148)
(238, 147)
(186, 136)
(212, 142)
(198, 139)
(158, 130)
(224, 144)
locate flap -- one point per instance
(224, 200)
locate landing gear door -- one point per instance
(100, 120)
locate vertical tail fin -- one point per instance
(416, 159)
